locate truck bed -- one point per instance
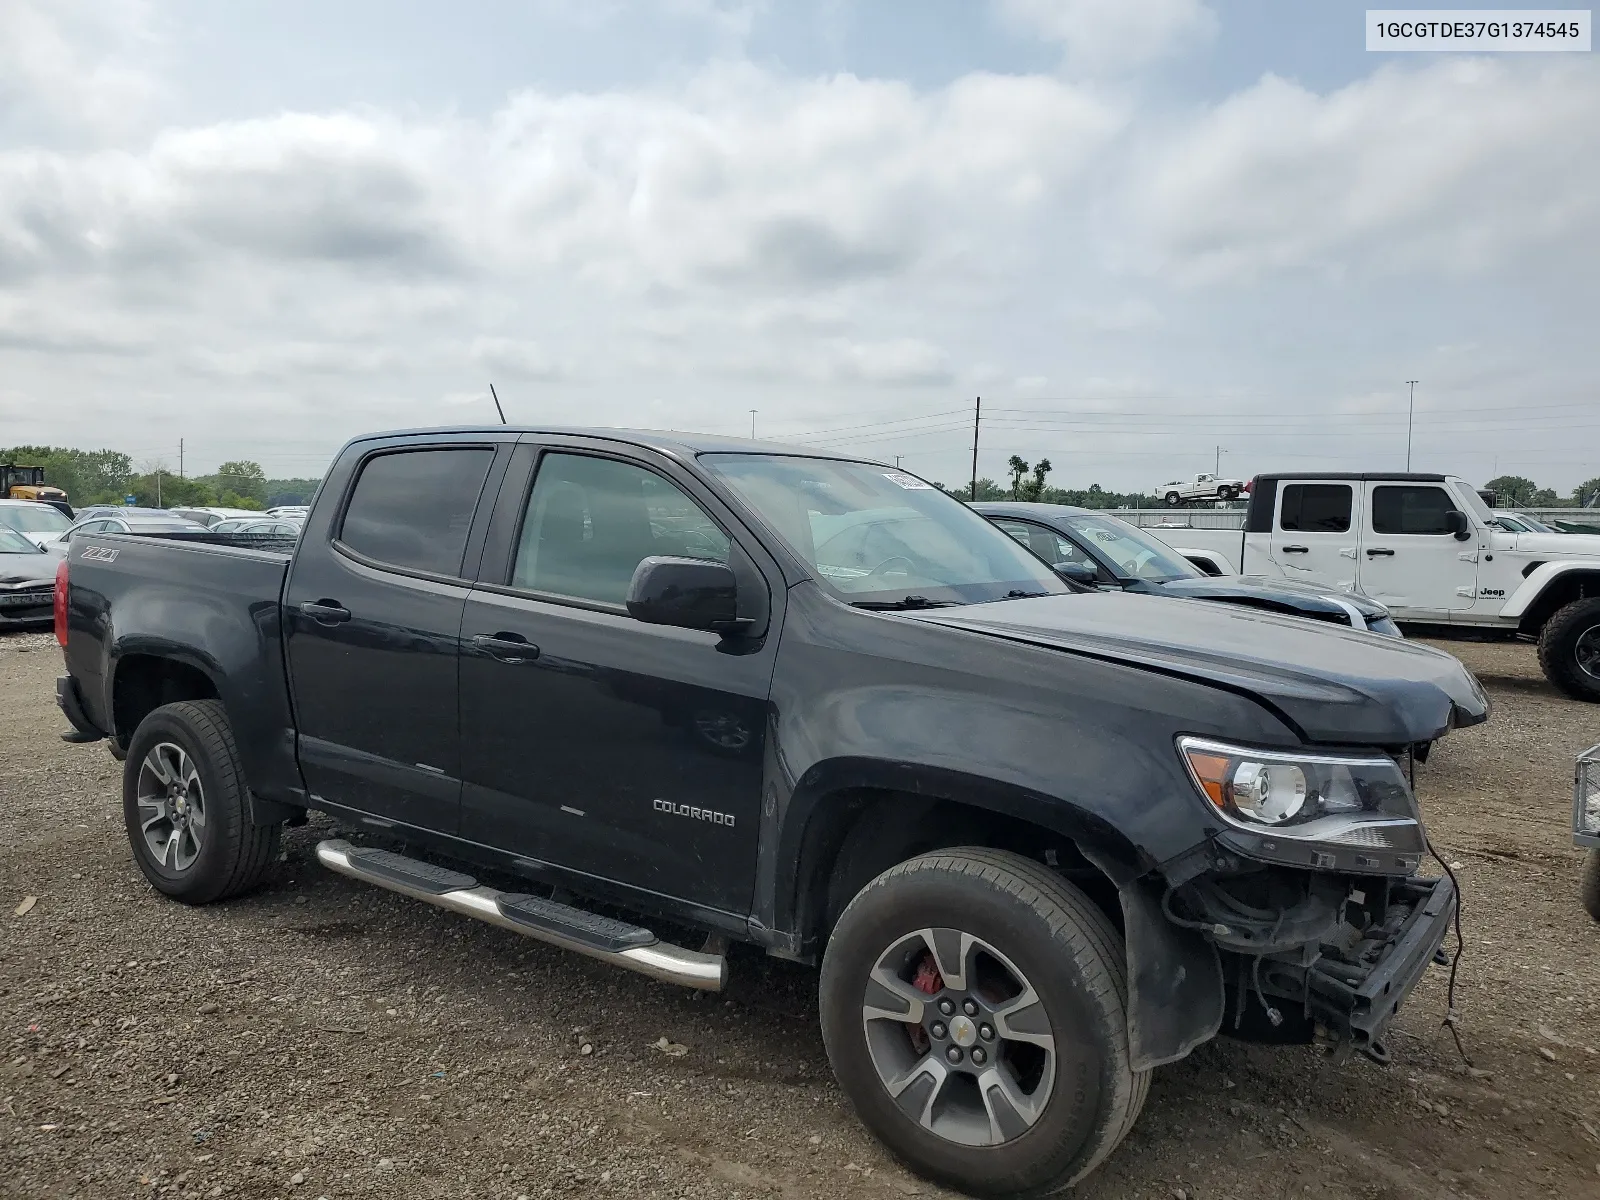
(142, 603)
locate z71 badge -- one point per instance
(98, 554)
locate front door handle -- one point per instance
(1297, 550)
(510, 648)
(326, 612)
(1378, 551)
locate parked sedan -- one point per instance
(27, 582)
(1102, 551)
(124, 522)
(39, 523)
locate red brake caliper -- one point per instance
(927, 979)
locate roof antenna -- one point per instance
(497, 407)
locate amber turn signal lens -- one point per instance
(1212, 772)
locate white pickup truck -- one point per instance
(1425, 546)
(1200, 488)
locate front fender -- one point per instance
(1539, 580)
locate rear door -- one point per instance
(373, 618)
(1410, 559)
(593, 743)
(1314, 536)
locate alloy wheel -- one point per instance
(959, 1037)
(172, 807)
(1587, 652)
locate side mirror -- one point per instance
(691, 593)
(1077, 572)
(1456, 521)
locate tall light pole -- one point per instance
(1217, 470)
(1411, 408)
(753, 412)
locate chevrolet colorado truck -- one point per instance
(1039, 840)
(1425, 547)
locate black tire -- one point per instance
(1589, 886)
(1173, 499)
(1072, 957)
(1228, 494)
(1573, 628)
(233, 854)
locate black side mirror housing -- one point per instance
(690, 593)
(1457, 521)
(1077, 572)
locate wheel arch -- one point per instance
(1549, 588)
(867, 817)
(851, 814)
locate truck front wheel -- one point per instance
(186, 806)
(974, 1009)
(1569, 649)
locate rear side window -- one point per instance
(1397, 509)
(413, 508)
(1316, 507)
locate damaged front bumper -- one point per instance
(1356, 1001)
(1319, 957)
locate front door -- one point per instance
(373, 618)
(1314, 538)
(619, 750)
(1410, 558)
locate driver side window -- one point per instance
(589, 522)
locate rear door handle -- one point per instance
(326, 612)
(1297, 550)
(510, 648)
(1379, 550)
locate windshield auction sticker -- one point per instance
(1478, 29)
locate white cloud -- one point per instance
(76, 68)
(1111, 35)
(515, 358)
(1450, 168)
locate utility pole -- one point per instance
(977, 417)
(897, 459)
(753, 412)
(1217, 470)
(180, 458)
(158, 487)
(1411, 408)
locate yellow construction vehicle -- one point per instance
(27, 483)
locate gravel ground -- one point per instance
(324, 1038)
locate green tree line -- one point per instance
(109, 477)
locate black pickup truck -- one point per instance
(1039, 840)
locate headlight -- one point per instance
(1357, 808)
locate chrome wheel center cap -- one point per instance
(963, 1032)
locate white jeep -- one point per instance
(1426, 547)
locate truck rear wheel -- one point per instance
(187, 809)
(1569, 649)
(1173, 499)
(974, 1009)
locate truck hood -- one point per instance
(1332, 684)
(1307, 597)
(1560, 545)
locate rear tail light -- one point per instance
(61, 604)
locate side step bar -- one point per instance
(600, 937)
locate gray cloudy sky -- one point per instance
(1138, 228)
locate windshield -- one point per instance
(880, 536)
(1472, 501)
(12, 542)
(28, 519)
(1135, 554)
